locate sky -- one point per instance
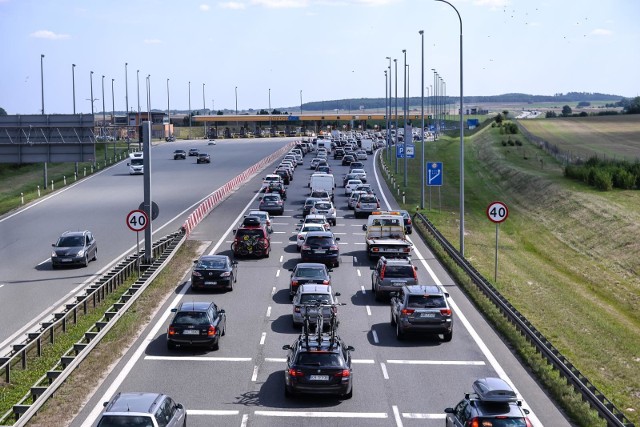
(279, 51)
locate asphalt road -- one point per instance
(406, 383)
(30, 288)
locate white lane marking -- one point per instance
(368, 310)
(339, 233)
(423, 416)
(360, 243)
(275, 359)
(198, 359)
(476, 338)
(281, 258)
(211, 412)
(245, 419)
(254, 376)
(262, 338)
(276, 242)
(278, 273)
(363, 290)
(375, 336)
(273, 291)
(385, 374)
(363, 361)
(358, 271)
(279, 232)
(322, 414)
(438, 362)
(356, 225)
(269, 311)
(396, 415)
(1, 286)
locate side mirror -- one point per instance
(53, 244)
(337, 239)
(446, 294)
(179, 406)
(364, 227)
(221, 311)
(174, 310)
(105, 404)
(234, 262)
(350, 348)
(286, 347)
(233, 231)
(195, 261)
(449, 410)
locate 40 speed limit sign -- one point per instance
(497, 212)
(137, 220)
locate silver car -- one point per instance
(310, 299)
(353, 198)
(366, 204)
(142, 409)
(323, 207)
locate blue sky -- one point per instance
(328, 49)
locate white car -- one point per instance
(302, 232)
(362, 175)
(264, 217)
(269, 179)
(314, 162)
(353, 198)
(361, 155)
(322, 207)
(364, 187)
(351, 185)
(315, 219)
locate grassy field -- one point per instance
(612, 137)
(569, 256)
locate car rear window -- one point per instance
(191, 318)
(315, 298)
(319, 240)
(310, 272)
(320, 359)
(398, 271)
(426, 301)
(323, 205)
(271, 198)
(212, 263)
(368, 199)
(125, 420)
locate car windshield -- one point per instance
(191, 318)
(69, 241)
(323, 205)
(426, 301)
(310, 272)
(315, 298)
(125, 420)
(398, 271)
(312, 227)
(315, 221)
(320, 359)
(216, 263)
(271, 198)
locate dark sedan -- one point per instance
(196, 324)
(214, 272)
(272, 203)
(179, 154)
(203, 158)
(347, 160)
(308, 272)
(321, 246)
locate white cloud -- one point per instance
(376, 2)
(232, 5)
(281, 4)
(492, 4)
(50, 35)
(601, 32)
(152, 41)
(204, 7)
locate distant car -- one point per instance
(323, 169)
(74, 248)
(196, 324)
(310, 294)
(321, 246)
(351, 185)
(304, 229)
(179, 154)
(421, 309)
(360, 173)
(284, 174)
(408, 226)
(203, 158)
(214, 272)
(367, 203)
(338, 154)
(308, 272)
(272, 203)
(361, 155)
(193, 151)
(142, 409)
(308, 204)
(348, 159)
(347, 177)
(356, 165)
(269, 179)
(323, 207)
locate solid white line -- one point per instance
(269, 311)
(339, 233)
(363, 290)
(322, 414)
(358, 271)
(262, 338)
(275, 359)
(211, 412)
(278, 273)
(363, 361)
(375, 336)
(368, 310)
(199, 359)
(396, 415)
(279, 232)
(438, 362)
(360, 243)
(423, 416)
(385, 374)
(254, 377)
(245, 419)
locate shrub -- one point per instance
(602, 180)
(504, 143)
(518, 143)
(623, 179)
(510, 142)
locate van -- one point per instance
(136, 163)
(324, 143)
(322, 181)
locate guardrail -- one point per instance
(605, 408)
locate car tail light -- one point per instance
(528, 422)
(294, 283)
(296, 373)
(407, 250)
(375, 250)
(211, 331)
(415, 274)
(226, 274)
(378, 205)
(325, 282)
(197, 274)
(407, 311)
(445, 311)
(473, 422)
(358, 205)
(345, 373)
(408, 221)
(333, 247)
(296, 309)
(172, 330)
(306, 247)
(382, 270)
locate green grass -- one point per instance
(566, 263)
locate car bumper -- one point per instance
(323, 258)
(443, 327)
(211, 284)
(58, 261)
(326, 389)
(272, 209)
(193, 341)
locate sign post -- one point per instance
(137, 220)
(497, 212)
(434, 178)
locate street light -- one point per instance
(92, 99)
(138, 90)
(168, 112)
(113, 105)
(42, 80)
(236, 100)
(461, 138)
(406, 107)
(422, 163)
(389, 115)
(270, 130)
(395, 61)
(189, 110)
(386, 102)
(149, 97)
(204, 107)
(104, 113)
(300, 101)
(73, 82)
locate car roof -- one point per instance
(74, 233)
(194, 306)
(319, 234)
(424, 289)
(315, 216)
(256, 212)
(213, 257)
(133, 402)
(311, 265)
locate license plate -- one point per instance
(320, 251)
(66, 260)
(427, 315)
(190, 332)
(319, 377)
(398, 282)
(210, 283)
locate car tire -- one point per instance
(95, 255)
(224, 331)
(349, 395)
(171, 345)
(230, 287)
(392, 319)
(85, 263)
(399, 333)
(446, 337)
(287, 392)
(215, 346)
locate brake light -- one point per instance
(358, 205)
(296, 373)
(345, 373)
(528, 422)
(407, 311)
(306, 247)
(333, 247)
(407, 250)
(384, 267)
(211, 331)
(325, 282)
(226, 274)
(172, 330)
(408, 221)
(294, 283)
(474, 422)
(375, 250)
(445, 311)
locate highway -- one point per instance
(407, 383)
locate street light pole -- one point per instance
(236, 100)
(461, 138)
(91, 81)
(270, 130)
(422, 164)
(395, 61)
(386, 106)
(389, 115)
(189, 110)
(73, 83)
(42, 80)
(406, 107)
(204, 107)
(168, 112)
(104, 113)
(138, 90)
(434, 95)
(300, 101)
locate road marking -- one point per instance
(269, 311)
(375, 336)
(275, 242)
(438, 362)
(340, 233)
(199, 359)
(1, 286)
(385, 374)
(364, 292)
(322, 414)
(275, 359)
(358, 271)
(273, 291)
(360, 243)
(211, 412)
(262, 338)
(363, 361)
(368, 310)
(423, 416)
(396, 415)
(281, 258)
(279, 232)
(245, 419)
(254, 377)
(278, 273)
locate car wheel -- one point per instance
(95, 255)
(86, 260)
(350, 394)
(215, 345)
(447, 336)
(399, 333)
(230, 287)
(224, 331)
(392, 320)
(171, 345)
(378, 296)
(287, 392)
(267, 252)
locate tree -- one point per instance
(499, 118)
(631, 106)
(550, 114)
(2, 112)
(566, 111)
(505, 113)
(583, 104)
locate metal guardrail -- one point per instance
(163, 250)
(605, 408)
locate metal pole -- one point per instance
(126, 91)
(422, 163)
(204, 107)
(73, 82)
(300, 101)
(168, 112)
(42, 80)
(461, 137)
(236, 100)
(395, 61)
(495, 272)
(113, 104)
(405, 117)
(104, 113)
(138, 90)
(189, 110)
(91, 80)
(389, 115)
(270, 130)
(386, 102)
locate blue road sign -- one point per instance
(434, 174)
(411, 150)
(400, 151)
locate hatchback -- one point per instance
(214, 271)
(366, 204)
(360, 173)
(351, 185)
(142, 409)
(73, 248)
(302, 233)
(391, 274)
(348, 159)
(308, 204)
(272, 203)
(308, 272)
(321, 246)
(421, 309)
(323, 207)
(196, 324)
(312, 299)
(193, 151)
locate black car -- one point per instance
(308, 204)
(179, 154)
(338, 154)
(285, 174)
(421, 309)
(308, 272)
(493, 403)
(321, 246)
(214, 272)
(193, 151)
(319, 365)
(272, 203)
(277, 188)
(203, 158)
(196, 324)
(74, 248)
(348, 159)
(356, 165)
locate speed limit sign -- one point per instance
(497, 212)
(137, 220)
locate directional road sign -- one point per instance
(411, 150)
(497, 212)
(434, 174)
(137, 220)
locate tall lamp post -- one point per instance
(422, 164)
(389, 115)
(126, 90)
(386, 106)
(204, 107)
(73, 85)
(270, 130)
(104, 113)
(113, 120)
(395, 61)
(189, 110)
(91, 82)
(461, 138)
(300, 101)
(42, 80)
(404, 113)
(138, 90)
(236, 100)
(168, 112)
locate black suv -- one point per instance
(74, 247)
(421, 310)
(493, 403)
(319, 364)
(338, 154)
(252, 238)
(391, 274)
(179, 154)
(196, 324)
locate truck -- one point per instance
(136, 163)
(367, 145)
(384, 235)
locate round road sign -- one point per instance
(137, 220)
(497, 212)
